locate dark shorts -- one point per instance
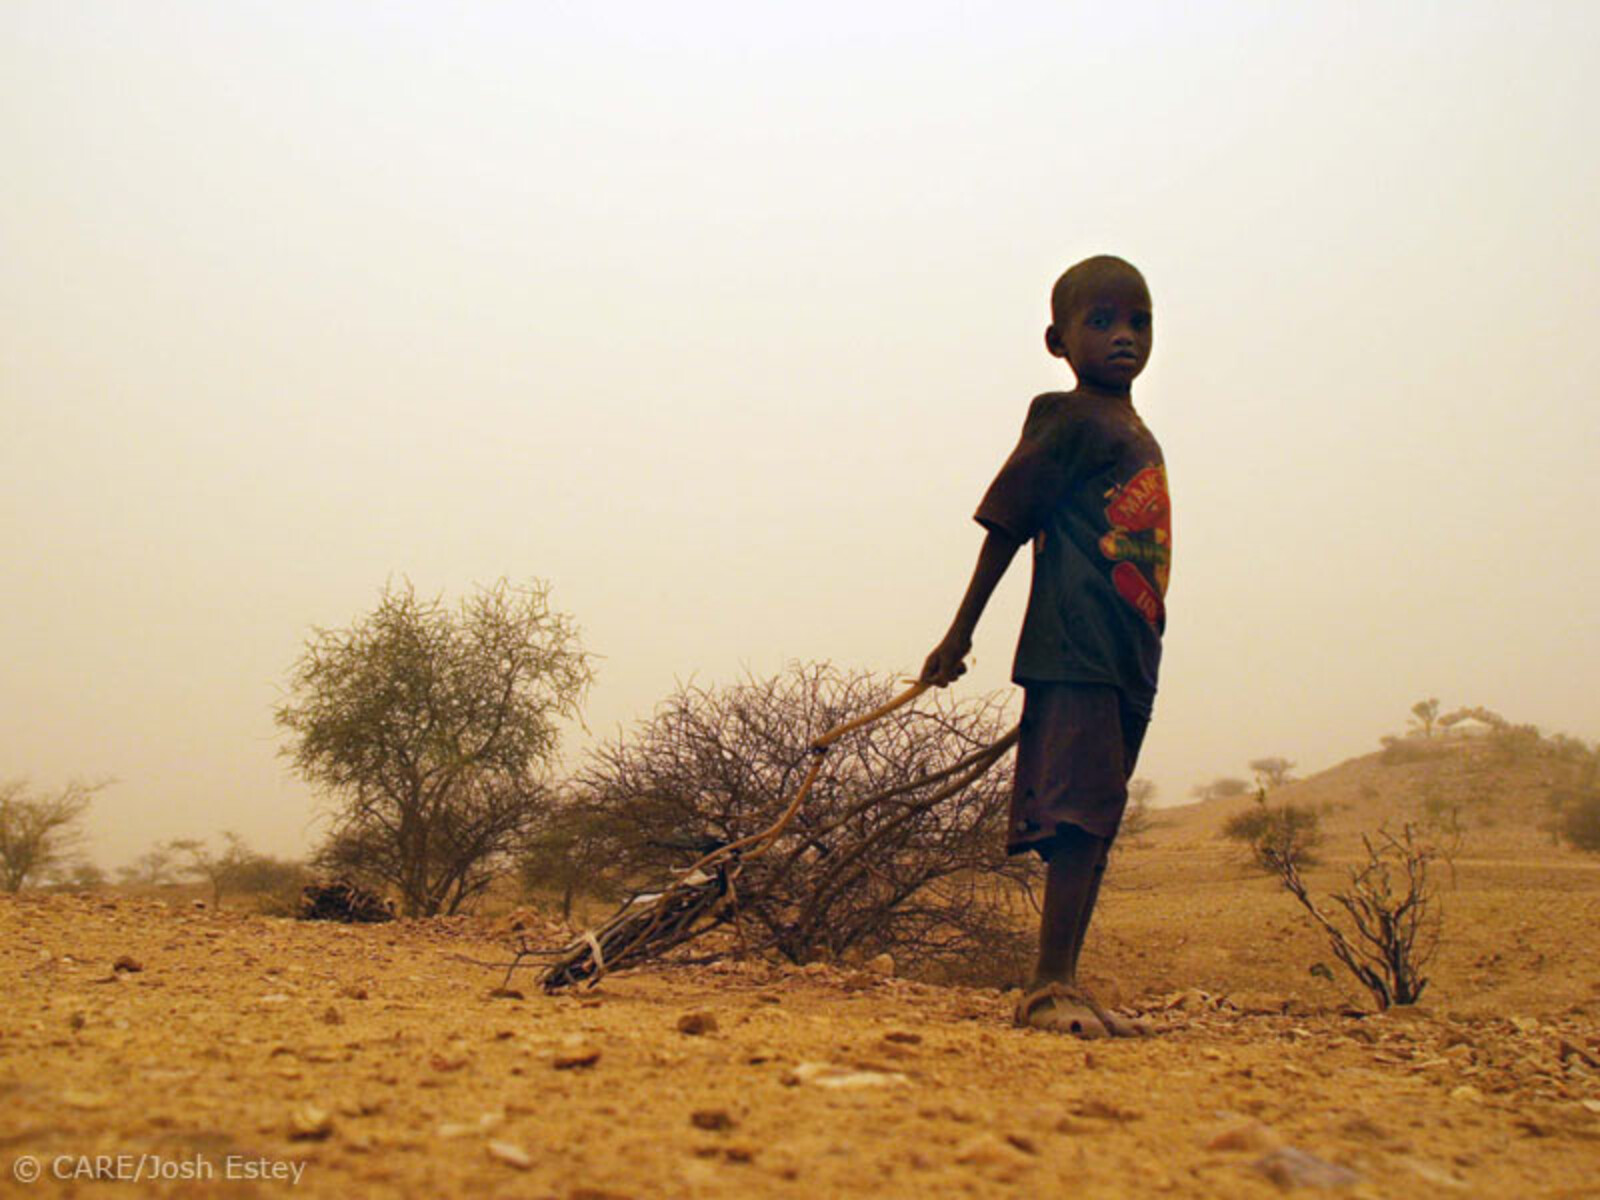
(1077, 750)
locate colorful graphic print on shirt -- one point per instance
(1140, 515)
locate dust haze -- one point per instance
(721, 322)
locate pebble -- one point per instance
(575, 1054)
(332, 1016)
(308, 1123)
(697, 1024)
(1250, 1136)
(1468, 1093)
(831, 1075)
(1289, 1167)
(882, 964)
(128, 963)
(988, 1149)
(713, 1120)
(509, 1153)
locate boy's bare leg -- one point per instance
(1070, 889)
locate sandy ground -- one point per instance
(375, 1061)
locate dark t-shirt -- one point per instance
(1087, 484)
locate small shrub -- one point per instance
(1275, 832)
(1401, 751)
(1389, 907)
(1516, 743)
(1580, 821)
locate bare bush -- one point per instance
(153, 868)
(39, 830)
(892, 851)
(1137, 818)
(1390, 908)
(1275, 833)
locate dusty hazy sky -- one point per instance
(721, 320)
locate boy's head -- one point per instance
(1100, 322)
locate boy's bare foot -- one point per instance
(1060, 1009)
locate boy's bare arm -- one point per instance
(946, 663)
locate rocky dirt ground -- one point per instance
(376, 1061)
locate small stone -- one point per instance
(73, 1098)
(509, 1153)
(127, 963)
(354, 991)
(275, 998)
(575, 1054)
(989, 1150)
(1525, 1024)
(77, 1020)
(1592, 1106)
(1023, 1142)
(882, 964)
(713, 1120)
(904, 1038)
(1104, 1110)
(1249, 1136)
(332, 1016)
(1289, 1167)
(308, 1123)
(831, 1075)
(697, 1024)
(447, 1063)
(1468, 1093)
(506, 993)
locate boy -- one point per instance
(1086, 484)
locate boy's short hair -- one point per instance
(1082, 280)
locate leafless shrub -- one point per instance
(919, 872)
(1390, 909)
(39, 830)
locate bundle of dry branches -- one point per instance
(888, 843)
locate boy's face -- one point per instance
(1107, 336)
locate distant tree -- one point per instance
(432, 729)
(153, 868)
(573, 850)
(39, 830)
(1137, 819)
(1272, 771)
(84, 876)
(221, 868)
(1220, 789)
(1426, 713)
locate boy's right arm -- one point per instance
(946, 663)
